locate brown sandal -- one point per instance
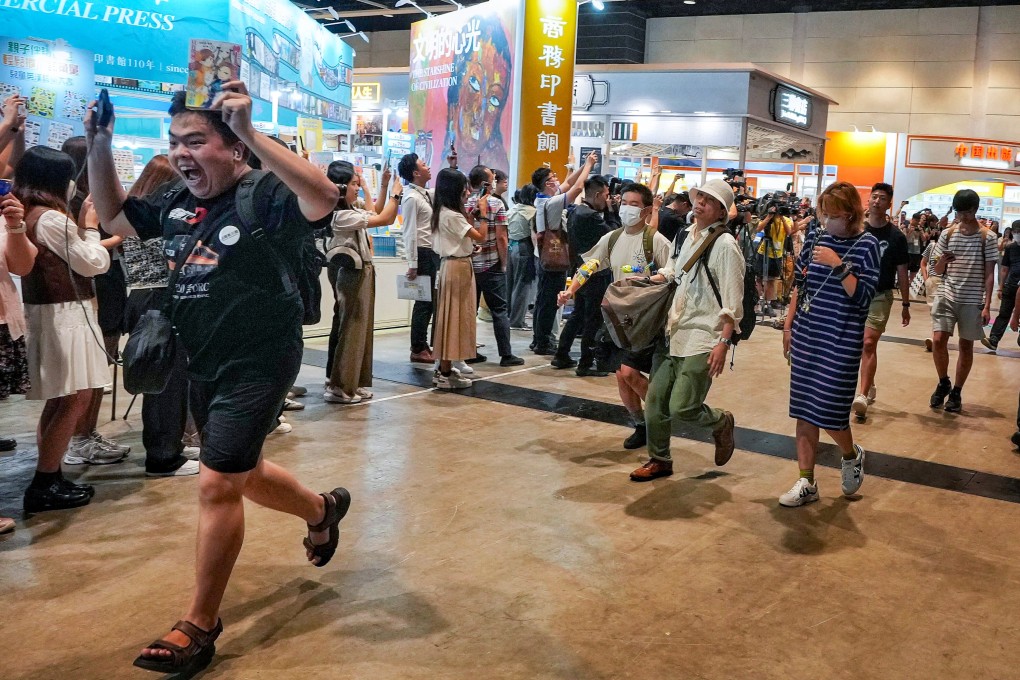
(194, 657)
(338, 502)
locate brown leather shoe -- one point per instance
(653, 469)
(724, 439)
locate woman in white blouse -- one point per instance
(66, 359)
(454, 238)
(350, 254)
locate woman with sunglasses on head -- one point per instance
(349, 252)
(66, 358)
(835, 278)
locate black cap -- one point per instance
(966, 200)
(1015, 225)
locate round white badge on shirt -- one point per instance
(229, 235)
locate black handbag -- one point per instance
(148, 355)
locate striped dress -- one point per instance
(828, 336)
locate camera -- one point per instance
(615, 186)
(747, 204)
(734, 177)
(779, 203)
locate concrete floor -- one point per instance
(496, 535)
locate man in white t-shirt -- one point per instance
(965, 257)
(627, 252)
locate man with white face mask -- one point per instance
(698, 333)
(633, 250)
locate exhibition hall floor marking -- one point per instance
(885, 465)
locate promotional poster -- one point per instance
(58, 83)
(212, 63)
(461, 85)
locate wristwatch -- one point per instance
(726, 341)
(20, 229)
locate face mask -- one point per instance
(1016, 239)
(630, 215)
(836, 224)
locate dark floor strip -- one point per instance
(885, 465)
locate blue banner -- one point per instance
(56, 80)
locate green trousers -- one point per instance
(677, 389)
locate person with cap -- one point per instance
(1009, 278)
(698, 334)
(965, 258)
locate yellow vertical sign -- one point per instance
(546, 86)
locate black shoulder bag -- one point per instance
(148, 356)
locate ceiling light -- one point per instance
(332, 12)
(598, 4)
(363, 35)
(689, 2)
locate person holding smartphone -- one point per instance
(965, 257)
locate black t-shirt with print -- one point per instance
(1011, 261)
(232, 308)
(895, 253)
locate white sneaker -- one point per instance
(454, 381)
(463, 368)
(860, 406)
(331, 396)
(297, 391)
(802, 493)
(291, 405)
(189, 468)
(872, 394)
(853, 472)
(91, 452)
(110, 444)
(364, 393)
(191, 452)
(283, 428)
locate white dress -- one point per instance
(64, 341)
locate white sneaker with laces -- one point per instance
(872, 394)
(110, 444)
(283, 428)
(454, 381)
(189, 468)
(91, 452)
(463, 368)
(291, 405)
(853, 472)
(802, 493)
(860, 406)
(331, 396)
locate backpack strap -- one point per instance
(648, 241)
(614, 236)
(171, 198)
(244, 201)
(702, 249)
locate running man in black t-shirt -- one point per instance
(239, 319)
(895, 258)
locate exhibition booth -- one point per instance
(694, 121)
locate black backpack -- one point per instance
(309, 269)
(751, 297)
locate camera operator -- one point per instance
(673, 215)
(774, 227)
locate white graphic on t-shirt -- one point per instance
(181, 214)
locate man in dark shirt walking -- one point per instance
(895, 258)
(585, 226)
(1009, 280)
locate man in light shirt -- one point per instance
(416, 209)
(699, 333)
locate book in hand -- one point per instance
(419, 289)
(211, 64)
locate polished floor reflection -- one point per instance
(495, 534)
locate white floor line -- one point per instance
(369, 402)
(509, 373)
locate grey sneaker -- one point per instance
(853, 472)
(454, 381)
(91, 452)
(110, 444)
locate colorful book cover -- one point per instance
(211, 64)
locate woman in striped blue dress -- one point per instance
(835, 279)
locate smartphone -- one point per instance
(104, 110)
(5, 186)
(389, 156)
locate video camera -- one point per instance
(778, 203)
(734, 177)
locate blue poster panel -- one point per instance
(58, 83)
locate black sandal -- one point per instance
(338, 502)
(194, 657)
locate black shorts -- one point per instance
(775, 267)
(640, 360)
(235, 414)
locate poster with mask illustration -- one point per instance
(461, 86)
(54, 79)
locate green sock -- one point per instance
(850, 455)
(808, 475)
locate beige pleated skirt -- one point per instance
(456, 311)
